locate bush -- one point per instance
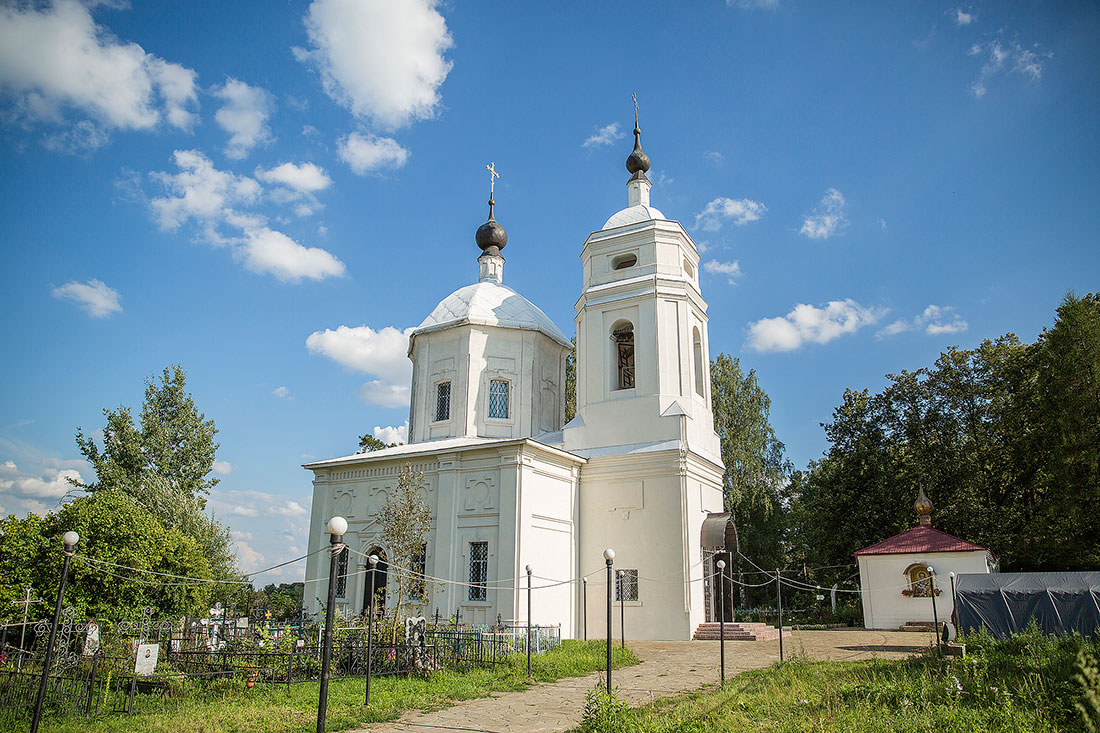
(604, 713)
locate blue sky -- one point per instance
(272, 193)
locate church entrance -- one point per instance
(381, 577)
(719, 537)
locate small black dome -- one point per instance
(638, 160)
(490, 236)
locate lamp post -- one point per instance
(779, 607)
(609, 559)
(935, 613)
(584, 605)
(373, 559)
(336, 528)
(528, 568)
(722, 616)
(69, 539)
(954, 617)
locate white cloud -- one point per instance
(244, 116)
(935, 320)
(56, 59)
(382, 59)
(604, 136)
(731, 270)
(269, 251)
(365, 153)
(290, 509)
(1008, 58)
(382, 353)
(809, 324)
(391, 434)
(281, 393)
(304, 178)
(828, 217)
(962, 17)
(713, 156)
(95, 297)
(739, 211)
(248, 558)
(223, 468)
(50, 483)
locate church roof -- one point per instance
(440, 445)
(632, 215)
(922, 538)
(489, 303)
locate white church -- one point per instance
(638, 470)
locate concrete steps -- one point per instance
(711, 631)
(921, 626)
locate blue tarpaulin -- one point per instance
(1004, 603)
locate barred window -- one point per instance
(443, 401)
(623, 338)
(626, 585)
(479, 571)
(498, 398)
(418, 565)
(342, 575)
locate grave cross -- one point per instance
(26, 603)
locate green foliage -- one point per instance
(571, 382)
(1004, 437)
(405, 521)
(605, 713)
(368, 444)
(1088, 677)
(756, 467)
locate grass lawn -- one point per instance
(295, 709)
(1023, 683)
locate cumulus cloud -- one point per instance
(56, 60)
(248, 558)
(281, 392)
(738, 211)
(95, 297)
(366, 153)
(732, 270)
(382, 353)
(810, 324)
(223, 468)
(216, 201)
(244, 116)
(828, 217)
(290, 509)
(305, 178)
(935, 320)
(381, 59)
(1007, 58)
(391, 434)
(962, 17)
(604, 136)
(31, 488)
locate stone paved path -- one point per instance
(667, 668)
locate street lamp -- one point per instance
(373, 559)
(609, 559)
(584, 605)
(69, 539)
(935, 614)
(337, 526)
(722, 616)
(528, 568)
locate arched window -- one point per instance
(697, 345)
(622, 336)
(381, 578)
(920, 581)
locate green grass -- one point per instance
(295, 709)
(1023, 683)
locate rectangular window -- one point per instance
(498, 399)
(626, 585)
(479, 571)
(418, 565)
(443, 401)
(342, 575)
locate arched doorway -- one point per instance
(719, 537)
(381, 578)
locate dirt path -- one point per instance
(667, 668)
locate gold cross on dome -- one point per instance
(635, 98)
(492, 168)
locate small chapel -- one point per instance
(510, 484)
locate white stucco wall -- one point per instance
(882, 578)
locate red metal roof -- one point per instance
(922, 538)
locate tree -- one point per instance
(756, 466)
(368, 444)
(406, 520)
(571, 382)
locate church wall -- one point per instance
(882, 578)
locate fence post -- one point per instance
(779, 605)
(91, 684)
(528, 622)
(69, 539)
(336, 528)
(935, 613)
(622, 613)
(609, 560)
(370, 623)
(584, 605)
(722, 615)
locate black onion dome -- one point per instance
(638, 160)
(490, 236)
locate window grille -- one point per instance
(626, 585)
(342, 575)
(624, 355)
(479, 571)
(443, 401)
(498, 398)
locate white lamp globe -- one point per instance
(721, 564)
(337, 525)
(70, 538)
(951, 575)
(373, 559)
(931, 570)
(608, 554)
(528, 569)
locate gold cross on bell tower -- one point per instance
(493, 175)
(635, 98)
